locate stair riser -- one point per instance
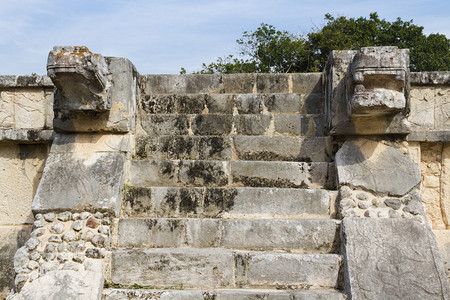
(229, 104)
(302, 83)
(301, 236)
(224, 125)
(225, 202)
(267, 148)
(173, 173)
(215, 268)
(222, 294)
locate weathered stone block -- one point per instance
(422, 108)
(157, 104)
(376, 167)
(294, 270)
(182, 84)
(152, 173)
(222, 294)
(249, 103)
(203, 233)
(306, 83)
(190, 104)
(155, 233)
(291, 124)
(391, 259)
(238, 83)
(21, 170)
(12, 238)
(307, 236)
(169, 268)
(286, 148)
(64, 284)
(251, 124)
(214, 148)
(277, 202)
(165, 124)
(283, 103)
(203, 173)
(82, 173)
(212, 124)
(220, 103)
(272, 83)
(279, 174)
(442, 108)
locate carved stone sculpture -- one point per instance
(378, 81)
(80, 77)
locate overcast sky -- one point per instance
(163, 36)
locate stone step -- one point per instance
(213, 173)
(237, 202)
(224, 125)
(266, 148)
(294, 235)
(223, 268)
(232, 103)
(222, 294)
(301, 83)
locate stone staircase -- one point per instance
(230, 192)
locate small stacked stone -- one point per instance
(359, 204)
(63, 241)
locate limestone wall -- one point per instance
(26, 117)
(430, 107)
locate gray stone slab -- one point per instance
(64, 284)
(151, 233)
(220, 103)
(249, 103)
(12, 238)
(211, 124)
(238, 83)
(306, 83)
(182, 84)
(152, 173)
(291, 124)
(299, 235)
(376, 167)
(430, 78)
(392, 259)
(288, 270)
(171, 268)
(272, 83)
(223, 294)
(203, 173)
(307, 236)
(283, 148)
(227, 202)
(252, 124)
(165, 124)
(279, 174)
(278, 202)
(81, 181)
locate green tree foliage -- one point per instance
(273, 51)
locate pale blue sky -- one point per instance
(163, 36)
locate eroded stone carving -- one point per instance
(378, 81)
(391, 259)
(80, 77)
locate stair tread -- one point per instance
(226, 202)
(222, 294)
(297, 235)
(215, 268)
